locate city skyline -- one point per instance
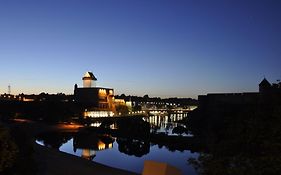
(159, 48)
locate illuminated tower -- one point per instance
(89, 80)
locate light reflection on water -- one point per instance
(166, 124)
(129, 154)
(114, 158)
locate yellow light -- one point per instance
(101, 145)
(111, 92)
(94, 114)
(102, 92)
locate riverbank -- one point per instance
(53, 162)
(50, 161)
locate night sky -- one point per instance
(163, 48)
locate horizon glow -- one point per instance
(160, 48)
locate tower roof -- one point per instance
(89, 75)
(264, 83)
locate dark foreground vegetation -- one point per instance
(16, 152)
(48, 111)
(238, 139)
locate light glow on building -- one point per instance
(102, 93)
(94, 114)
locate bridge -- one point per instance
(164, 111)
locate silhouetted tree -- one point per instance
(179, 130)
(133, 147)
(8, 150)
(122, 109)
(244, 140)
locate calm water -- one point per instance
(127, 154)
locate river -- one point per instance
(124, 153)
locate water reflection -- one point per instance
(133, 147)
(130, 154)
(166, 123)
(90, 143)
(88, 154)
(159, 120)
(54, 139)
(132, 141)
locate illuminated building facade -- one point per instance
(97, 101)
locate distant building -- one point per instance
(267, 91)
(7, 97)
(264, 86)
(97, 101)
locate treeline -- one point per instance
(17, 153)
(50, 97)
(49, 111)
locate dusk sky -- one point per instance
(155, 47)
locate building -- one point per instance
(267, 92)
(264, 86)
(97, 101)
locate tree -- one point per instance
(179, 130)
(122, 109)
(8, 150)
(245, 142)
(146, 97)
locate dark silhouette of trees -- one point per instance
(122, 110)
(179, 130)
(49, 111)
(133, 128)
(16, 152)
(239, 139)
(133, 147)
(8, 149)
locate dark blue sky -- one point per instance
(156, 47)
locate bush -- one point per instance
(16, 152)
(8, 150)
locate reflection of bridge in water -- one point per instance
(163, 111)
(165, 123)
(166, 117)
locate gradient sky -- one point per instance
(158, 47)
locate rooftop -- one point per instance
(89, 75)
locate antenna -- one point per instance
(9, 89)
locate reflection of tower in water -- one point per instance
(90, 143)
(89, 154)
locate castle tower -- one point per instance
(264, 86)
(89, 80)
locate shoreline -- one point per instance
(51, 161)
(54, 162)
